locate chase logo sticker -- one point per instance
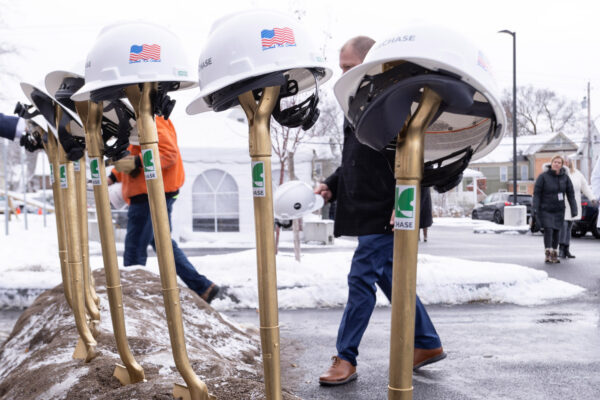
(94, 172)
(51, 174)
(149, 168)
(144, 52)
(405, 207)
(277, 37)
(62, 173)
(258, 179)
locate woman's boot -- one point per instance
(554, 256)
(561, 251)
(568, 253)
(548, 256)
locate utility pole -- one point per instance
(589, 135)
(514, 37)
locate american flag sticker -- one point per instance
(144, 52)
(277, 37)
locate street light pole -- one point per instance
(514, 36)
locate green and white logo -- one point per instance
(76, 166)
(405, 207)
(148, 160)
(62, 172)
(51, 174)
(258, 179)
(94, 171)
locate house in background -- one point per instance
(532, 153)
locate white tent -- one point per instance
(217, 194)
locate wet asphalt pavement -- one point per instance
(495, 351)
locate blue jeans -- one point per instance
(372, 264)
(140, 235)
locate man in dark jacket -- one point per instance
(549, 193)
(11, 127)
(363, 187)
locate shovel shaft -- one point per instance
(52, 152)
(162, 234)
(259, 117)
(408, 171)
(82, 218)
(107, 238)
(70, 213)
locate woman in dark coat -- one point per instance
(551, 188)
(425, 216)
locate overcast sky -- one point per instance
(557, 41)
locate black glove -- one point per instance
(31, 142)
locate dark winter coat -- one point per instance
(549, 198)
(363, 188)
(8, 126)
(426, 214)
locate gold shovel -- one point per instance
(409, 172)
(259, 117)
(142, 104)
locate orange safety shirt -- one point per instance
(170, 162)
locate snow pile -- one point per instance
(224, 355)
(318, 281)
(453, 281)
(482, 226)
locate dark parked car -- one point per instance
(492, 207)
(587, 223)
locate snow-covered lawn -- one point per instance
(29, 259)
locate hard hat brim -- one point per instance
(77, 128)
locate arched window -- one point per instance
(215, 206)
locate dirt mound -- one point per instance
(36, 359)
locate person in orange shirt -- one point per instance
(139, 224)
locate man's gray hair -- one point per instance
(360, 44)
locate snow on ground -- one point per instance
(29, 260)
(481, 226)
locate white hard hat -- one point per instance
(378, 95)
(115, 195)
(46, 103)
(251, 50)
(127, 53)
(295, 199)
(62, 84)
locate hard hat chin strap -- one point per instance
(303, 115)
(22, 110)
(161, 102)
(446, 177)
(73, 146)
(116, 137)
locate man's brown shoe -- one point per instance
(340, 372)
(424, 357)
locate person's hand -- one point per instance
(324, 191)
(392, 219)
(128, 165)
(595, 203)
